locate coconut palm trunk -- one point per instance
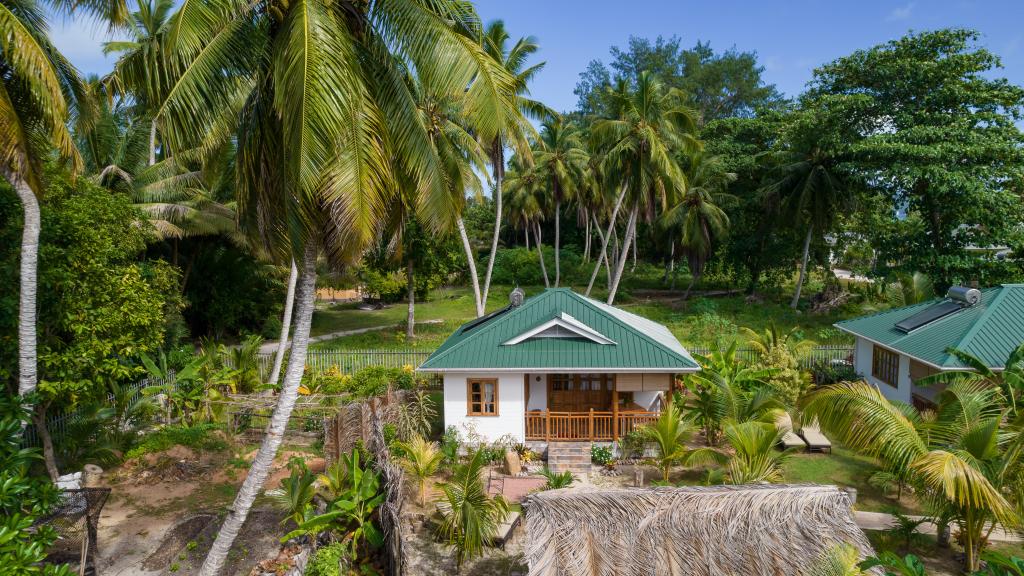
(471, 262)
(498, 161)
(286, 324)
(803, 267)
(558, 246)
(410, 320)
(152, 142)
(605, 238)
(49, 456)
(27, 359)
(305, 296)
(602, 258)
(540, 251)
(620, 266)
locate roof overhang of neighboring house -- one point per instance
(990, 330)
(559, 331)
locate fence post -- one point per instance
(547, 425)
(615, 413)
(591, 426)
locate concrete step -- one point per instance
(569, 456)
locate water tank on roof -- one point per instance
(966, 295)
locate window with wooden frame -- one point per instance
(885, 366)
(482, 397)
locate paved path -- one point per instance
(883, 521)
(269, 347)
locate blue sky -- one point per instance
(791, 37)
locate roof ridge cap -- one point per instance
(525, 304)
(590, 302)
(981, 320)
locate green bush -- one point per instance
(387, 286)
(374, 380)
(600, 455)
(328, 561)
(198, 437)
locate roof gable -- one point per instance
(990, 330)
(601, 337)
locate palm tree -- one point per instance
(698, 217)
(528, 204)
(670, 432)
(804, 180)
(513, 60)
(560, 162)
(40, 92)
(1009, 380)
(960, 459)
(754, 457)
(144, 68)
(421, 459)
(640, 145)
(765, 343)
(909, 289)
(470, 515)
(327, 132)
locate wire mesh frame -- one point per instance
(75, 518)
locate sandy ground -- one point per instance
(164, 508)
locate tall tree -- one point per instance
(640, 146)
(941, 143)
(698, 218)
(327, 130)
(561, 161)
(39, 94)
(517, 128)
(806, 178)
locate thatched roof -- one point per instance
(769, 530)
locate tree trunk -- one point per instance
(286, 324)
(693, 279)
(471, 261)
(633, 268)
(27, 358)
(803, 267)
(410, 320)
(498, 161)
(540, 251)
(152, 142)
(306, 294)
(49, 457)
(605, 238)
(558, 248)
(586, 237)
(621, 265)
(603, 257)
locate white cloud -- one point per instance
(900, 13)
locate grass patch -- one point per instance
(846, 468)
(198, 437)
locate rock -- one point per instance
(92, 475)
(512, 464)
(70, 481)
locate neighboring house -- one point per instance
(897, 348)
(557, 366)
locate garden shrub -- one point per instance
(824, 373)
(199, 437)
(374, 381)
(600, 455)
(330, 560)
(387, 286)
(789, 383)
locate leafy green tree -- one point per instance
(560, 161)
(470, 515)
(941, 143)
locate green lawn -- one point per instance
(697, 322)
(845, 468)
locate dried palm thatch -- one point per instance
(759, 530)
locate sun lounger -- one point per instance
(790, 440)
(816, 441)
(503, 532)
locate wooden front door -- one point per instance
(580, 392)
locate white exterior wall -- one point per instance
(862, 353)
(511, 413)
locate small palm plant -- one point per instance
(295, 495)
(670, 432)
(755, 458)
(420, 459)
(556, 480)
(470, 515)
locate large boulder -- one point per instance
(513, 467)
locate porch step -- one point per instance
(571, 456)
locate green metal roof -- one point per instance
(989, 330)
(638, 343)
